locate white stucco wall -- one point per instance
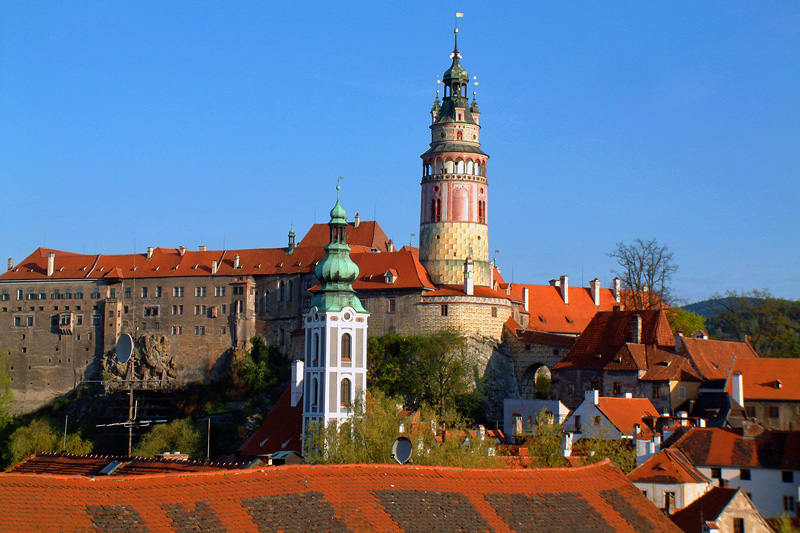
(765, 487)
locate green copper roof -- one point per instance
(337, 271)
(453, 147)
(456, 71)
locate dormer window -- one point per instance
(390, 276)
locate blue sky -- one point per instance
(189, 123)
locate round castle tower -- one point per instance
(453, 215)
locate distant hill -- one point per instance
(713, 306)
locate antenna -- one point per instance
(411, 239)
(402, 450)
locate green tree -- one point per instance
(771, 325)
(262, 367)
(368, 437)
(646, 269)
(545, 442)
(621, 452)
(685, 321)
(40, 436)
(180, 435)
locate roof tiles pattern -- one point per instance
(706, 508)
(667, 466)
(712, 358)
(280, 430)
(624, 413)
(548, 312)
(335, 498)
(768, 379)
(727, 447)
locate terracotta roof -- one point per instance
(335, 498)
(92, 465)
(367, 235)
(458, 290)
(667, 466)
(605, 341)
(705, 509)
(372, 268)
(281, 430)
(713, 359)
(663, 365)
(624, 413)
(768, 379)
(548, 312)
(727, 447)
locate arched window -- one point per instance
(460, 135)
(314, 392)
(347, 346)
(315, 350)
(346, 399)
(436, 210)
(282, 289)
(266, 301)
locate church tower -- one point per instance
(335, 327)
(453, 216)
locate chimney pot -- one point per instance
(51, 263)
(617, 289)
(149, 252)
(10, 263)
(236, 261)
(592, 396)
(636, 329)
(203, 248)
(182, 250)
(595, 285)
(391, 245)
(357, 222)
(565, 289)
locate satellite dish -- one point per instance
(124, 348)
(401, 450)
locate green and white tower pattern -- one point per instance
(454, 200)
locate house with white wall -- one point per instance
(519, 415)
(600, 417)
(670, 481)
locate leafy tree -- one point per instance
(368, 437)
(771, 325)
(685, 321)
(262, 367)
(544, 443)
(543, 385)
(621, 452)
(179, 435)
(39, 436)
(646, 270)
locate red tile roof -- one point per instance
(548, 312)
(281, 430)
(409, 271)
(713, 359)
(367, 235)
(458, 290)
(705, 509)
(334, 498)
(727, 447)
(624, 413)
(663, 365)
(92, 465)
(604, 342)
(667, 466)
(768, 379)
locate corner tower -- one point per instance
(453, 215)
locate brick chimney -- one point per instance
(51, 263)
(617, 289)
(10, 263)
(595, 285)
(636, 329)
(469, 277)
(565, 288)
(203, 248)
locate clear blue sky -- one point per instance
(222, 123)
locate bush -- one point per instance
(180, 435)
(39, 436)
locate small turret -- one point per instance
(291, 246)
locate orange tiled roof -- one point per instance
(667, 466)
(281, 430)
(458, 290)
(727, 447)
(624, 413)
(768, 379)
(605, 341)
(334, 498)
(663, 365)
(704, 510)
(368, 234)
(58, 464)
(548, 312)
(713, 358)
(408, 270)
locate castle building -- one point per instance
(335, 333)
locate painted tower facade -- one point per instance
(453, 215)
(335, 327)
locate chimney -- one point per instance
(591, 396)
(236, 261)
(525, 296)
(678, 341)
(391, 245)
(566, 444)
(595, 285)
(357, 222)
(203, 248)
(149, 252)
(297, 382)
(636, 329)
(214, 266)
(737, 388)
(636, 429)
(51, 263)
(182, 250)
(668, 503)
(565, 289)
(617, 289)
(469, 277)
(554, 283)
(481, 431)
(10, 263)
(628, 395)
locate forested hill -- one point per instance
(771, 325)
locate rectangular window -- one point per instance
(199, 330)
(203, 310)
(144, 292)
(223, 329)
(681, 393)
(29, 321)
(79, 294)
(617, 389)
(494, 312)
(577, 423)
(788, 504)
(744, 474)
(177, 292)
(95, 295)
(151, 310)
(716, 473)
(180, 309)
(656, 391)
(772, 411)
(597, 420)
(4, 295)
(95, 320)
(219, 291)
(158, 292)
(17, 321)
(444, 310)
(738, 525)
(750, 411)
(127, 292)
(174, 309)
(392, 305)
(79, 320)
(238, 290)
(787, 476)
(224, 309)
(19, 294)
(199, 291)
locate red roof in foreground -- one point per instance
(334, 498)
(768, 379)
(64, 464)
(667, 466)
(280, 431)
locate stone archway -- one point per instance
(533, 374)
